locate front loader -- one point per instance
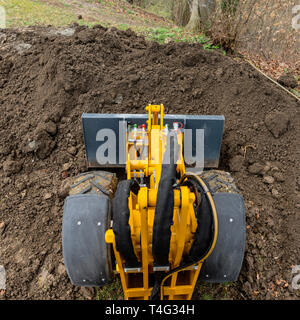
(169, 222)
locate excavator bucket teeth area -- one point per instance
(86, 254)
(225, 262)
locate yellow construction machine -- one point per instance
(169, 223)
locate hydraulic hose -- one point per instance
(213, 242)
(121, 225)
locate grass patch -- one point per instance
(161, 34)
(28, 12)
(160, 8)
(210, 46)
(111, 292)
(164, 35)
(61, 13)
(206, 296)
(213, 291)
(123, 26)
(295, 92)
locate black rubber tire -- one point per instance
(219, 181)
(225, 262)
(102, 183)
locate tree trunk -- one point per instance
(180, 12)
(201, 12)
(194, 23)
(194, 14)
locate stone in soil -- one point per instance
(268, 179)
(72, 150)
(2, 227)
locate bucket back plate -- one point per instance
(114, 126)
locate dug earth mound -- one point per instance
(48, 78)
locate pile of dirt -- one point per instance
(48, 78)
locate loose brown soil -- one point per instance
(48, 79)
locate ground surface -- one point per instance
(89, 12)
(48, 77)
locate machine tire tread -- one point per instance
(102, 183)
(219, 181)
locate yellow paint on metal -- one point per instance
(142, 210)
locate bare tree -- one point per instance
(181, 12)
(194, 14)
(195, 20)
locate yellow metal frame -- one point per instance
(136, 285)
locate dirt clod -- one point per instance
(45, 279)
(236, 163)
(87, 293)
(61, 270)
(288, 80)
(64, 188)
(279, 177)
(256, 168)
(275, 193)
(277, 123)
(11, 167)
(51, 128)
